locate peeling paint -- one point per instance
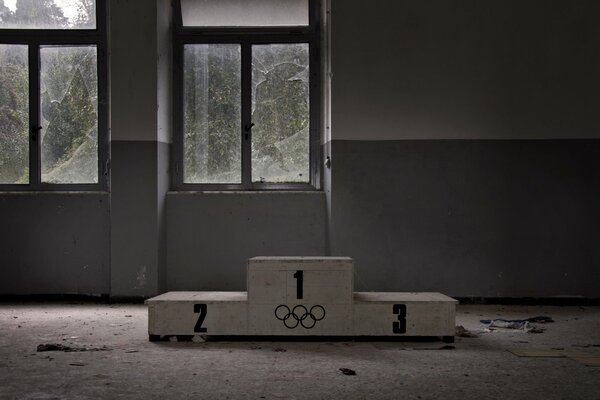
(141, 277)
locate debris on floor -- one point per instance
(540, 318)
(199, 338)
(78, 364)
(348, 371)
(525, 325)
(461, 331)
(587, 361)
(444, 347)
(538, 353)
(279, 350)
(67, 349)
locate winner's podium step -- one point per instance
(369, 314)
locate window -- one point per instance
(53, 95)
(246, 94)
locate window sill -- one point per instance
(55, 192)
(244, 192)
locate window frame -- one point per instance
(246, 37)
(35, 39)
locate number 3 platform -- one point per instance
(301, 296)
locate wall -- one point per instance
(465, 152)
(140, 74)
(447, 174)
(466, 69)
(54, 243)
(212, 234)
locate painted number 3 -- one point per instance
(400, 325)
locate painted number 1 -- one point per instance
(400, 325)
(200, 308)
(299, 276)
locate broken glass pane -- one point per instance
(47, 14)
(244, 12)
(212, 113)
(14, 114)
(280, 113)
(69, 111)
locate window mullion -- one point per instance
(34, 116)
(246, 134)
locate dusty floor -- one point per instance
(130, 367)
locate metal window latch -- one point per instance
(34, 132)
(106, 167)
(247, 129)
(328, 162)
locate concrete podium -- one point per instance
(301, 296)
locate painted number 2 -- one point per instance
(299, 276)
(200, 308)
(400, 325)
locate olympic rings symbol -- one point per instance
(299, 315)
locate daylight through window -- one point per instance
(246, 99)
(53, 101)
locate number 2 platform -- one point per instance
(301, 296)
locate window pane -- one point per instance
(69, 110)
(212, 116)
(280, 112)
(47, 14)
(14, 114)
(244, 12)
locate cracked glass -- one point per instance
(69, 111)
(280, 113)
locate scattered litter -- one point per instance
(78, 364)
(279, 350)
(462, 332)
(348, 371)
(587, 361)
(131, 351)
(173, 339)
(127, 316)
(525, 325)
(67, 349)
(586, 345)
(538, 353)
(255, 347)
(199, 339)
(534, 329)
(444, 347)
(540, 318)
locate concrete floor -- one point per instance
(132, 368)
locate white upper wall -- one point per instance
(140, 70)
(465, 69)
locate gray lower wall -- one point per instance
(138, 186)
(464, 217)
(210, 235)
(54, 243)
(469, 218)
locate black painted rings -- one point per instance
(299, 315)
